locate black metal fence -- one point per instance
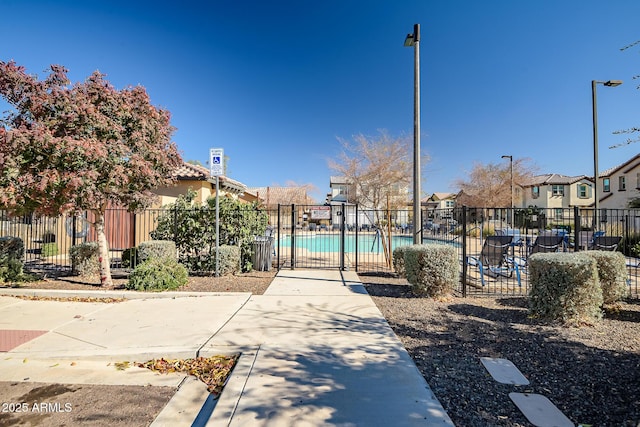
(347, 237)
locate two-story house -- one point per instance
(557, 193)
(619, 185)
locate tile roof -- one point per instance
(614, 169)
(191, 172)
(554, 178)
(281, 195)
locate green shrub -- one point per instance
(432, 270)
(11, 271)
(612, 273)
(157, 274)
(85, 259)
(49, 249)
(192, 227)
(398, 260)
(564, 287)
(156, 249)
(11, 248)
(229, 260)
(11, 254)
(129, 258)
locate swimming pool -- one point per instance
(367, 243)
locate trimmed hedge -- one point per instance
(398, 260)
(564, 287)
(229, 261)
(157, 274)
(85, 259)
(157, 249)
(432, 270)
(612, 273)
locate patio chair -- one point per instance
(542, 244)
(594, 236)
(546, 244)
(606, 243)
(493, 259)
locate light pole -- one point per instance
(611, 83)
(511, 166)
(413, 40)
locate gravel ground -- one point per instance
(592, 374)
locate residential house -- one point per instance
(440, 205)
(198, 178)
(343, 192)
(619, 185)
(272, 197)
(557, 193)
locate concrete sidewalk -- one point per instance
(315, 351)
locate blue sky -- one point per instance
(276, 83)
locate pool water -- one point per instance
(367, 243)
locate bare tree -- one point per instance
(377, 168)
(634, 130)
(489, 185)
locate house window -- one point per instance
(622, 183)
(638, 180)
(557, 190)
(606, 185)
(558, 213)
(535, 191)
(449, 204)
(583, 191)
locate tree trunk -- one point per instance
(103, 251)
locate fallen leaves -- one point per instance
(213, 371)
(106, 300)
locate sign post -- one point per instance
(216, 166)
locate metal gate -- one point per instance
(336, 236)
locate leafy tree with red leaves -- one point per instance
(69, 149)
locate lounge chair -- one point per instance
(547, 243)
(542, 244)
(493, 258)
(606, 243)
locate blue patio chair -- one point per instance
(493, 259)
(606, 243)
(542, 244)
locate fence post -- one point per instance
(279, 225)
(342, 226)
(356, 242)
(577, 228)
(293, 236)
(464, 251)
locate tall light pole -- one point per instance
(511, 166)
(611, 83)
(413, 40)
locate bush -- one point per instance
(612, 273)
(432, 270)
(156, 249)
(192, 227)
(398, 260)
(49, 249)
(11, 248)
(11, 253)
(85, 259)
(565, 288)
(229, 261)
(157, 274)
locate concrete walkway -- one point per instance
(315, 351)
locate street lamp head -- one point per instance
(507, 157)
(613, 83)
(409, 41)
